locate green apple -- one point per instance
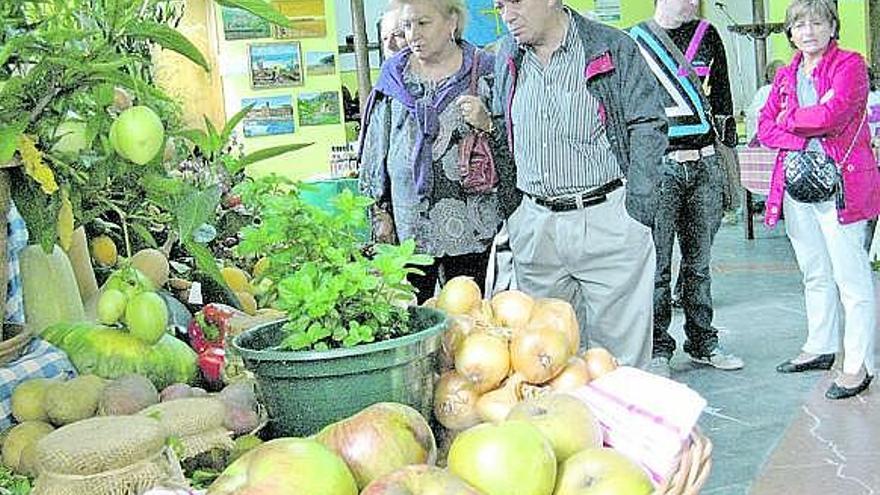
(420, 479)
(567, 422)
(137, 134)
(510, 458)
(286, 466)
(602, 471)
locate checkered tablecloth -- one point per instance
(41, 360)
(755, 168)
(17, 239)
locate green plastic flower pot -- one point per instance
(303, 391)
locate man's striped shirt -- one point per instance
(561, 147)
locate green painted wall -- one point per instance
(310, 161)
(853, 27)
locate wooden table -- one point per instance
(755, 169)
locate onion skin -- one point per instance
(559, 315)
(576, 374)
(484, 360)
(455, 402)
(512, 308)
(599, 362)
(460, 296)
(459, 328)
(539, 353)
(494, 406)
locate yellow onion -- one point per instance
(430, 303)
(483, 314)
(512, 308)
(483, 359)
(494, 406)
(599, 362)
(460, 296)
(459, 328)
(539, 353)
(558, 315)
(573, 376)
(455, 402)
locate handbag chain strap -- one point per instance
(855, 138)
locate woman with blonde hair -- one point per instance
(827, 181)
(429, 150)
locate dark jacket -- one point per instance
(630, 106)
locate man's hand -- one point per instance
(474, 112)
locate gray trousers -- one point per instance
(600, 260)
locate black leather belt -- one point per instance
(592, 197)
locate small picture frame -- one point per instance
(275, 65)
(320, 108)
(270, 116)
(321, 63)
(239, 24)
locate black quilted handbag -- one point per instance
(810, 176)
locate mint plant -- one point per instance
(334, 295)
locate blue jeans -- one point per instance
(689, 207)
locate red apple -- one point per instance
(568, 423)
(381, 439)
(286, 466)
(510, 458)
(602, 471)
(420, 479)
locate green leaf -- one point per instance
(214, 143)
(168, 38)
(197, 137)
(266, 153)
(9, 140)
(234, 121)
(197, 209)
(205, 261)
(144, 234)
(260, 9)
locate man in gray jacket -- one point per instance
(584, 119)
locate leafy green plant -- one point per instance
(13, 484)
(63, 64)
(334, 295)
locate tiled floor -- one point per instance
(773, 433)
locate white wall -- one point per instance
(372, 10)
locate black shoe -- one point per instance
(820, 362)
(835, 391)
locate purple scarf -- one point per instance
(426, 113)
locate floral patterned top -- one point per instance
(450, 222)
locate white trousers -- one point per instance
(837, 274)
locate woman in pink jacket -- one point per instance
(818, 104)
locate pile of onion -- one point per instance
(499, 352)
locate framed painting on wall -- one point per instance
(240, 24)
(307, 16)
(318, 108)
(321, 63)
(275, 65)
(270, 116)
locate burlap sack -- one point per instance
(114, 455)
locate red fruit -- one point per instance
(211, 362)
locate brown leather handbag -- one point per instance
(476, 163)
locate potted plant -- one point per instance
(350, 339)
